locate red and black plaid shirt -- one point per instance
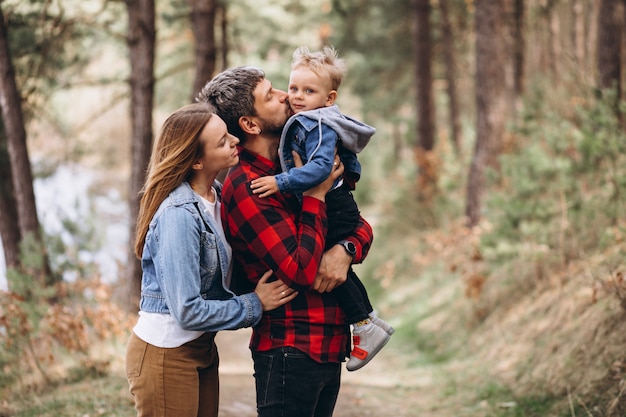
(279, 233)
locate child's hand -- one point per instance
(264, 186)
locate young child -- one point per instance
(315, 130)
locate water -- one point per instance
(71, 196)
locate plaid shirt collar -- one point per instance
(260, 163)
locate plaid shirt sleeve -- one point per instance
(362, 238)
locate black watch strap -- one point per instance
(348, 246)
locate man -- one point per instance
(297, 349)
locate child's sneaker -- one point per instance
(382, 323)
(368, 339)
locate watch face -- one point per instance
(350, 248)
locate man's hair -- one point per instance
(231, 92)
(324, 63)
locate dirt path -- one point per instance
(385, 387)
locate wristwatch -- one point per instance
(348, 246)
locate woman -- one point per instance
(171, 358)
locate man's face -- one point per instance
(271, 107)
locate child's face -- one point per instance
(308, 91)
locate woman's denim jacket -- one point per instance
(185, 265)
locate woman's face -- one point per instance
(220, 150)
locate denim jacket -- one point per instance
(313, 135)
(184, 269)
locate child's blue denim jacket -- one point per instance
(314, 134)
(185, 266)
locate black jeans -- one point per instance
(343, 214)
(343, 217)
(291, 384)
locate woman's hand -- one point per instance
(273, 294)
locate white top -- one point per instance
(162, 330)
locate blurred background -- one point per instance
(496, 185)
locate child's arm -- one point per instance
(264, 186)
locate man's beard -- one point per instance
(273, 126)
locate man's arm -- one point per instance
(289, 242)
(336, 261)
(271, 233)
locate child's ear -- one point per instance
(330, 99)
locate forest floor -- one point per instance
(390, 385)
(552, 345)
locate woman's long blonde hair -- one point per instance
(176, 149)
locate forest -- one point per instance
(495, 183)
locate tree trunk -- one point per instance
(17, 149)
(610, 21)
(491, 99)
(519, 58)
(203, 26)
(450, 63)
(428, 170)
(555, 44)
(591, 16)
(224, 31)
(578, 33)
(141, 43)
(9, 217)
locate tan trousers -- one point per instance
(176, 382)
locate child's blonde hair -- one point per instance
(323, 63)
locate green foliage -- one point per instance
(503, 403)
(11, 343)
(21, 312)
(563, 185)
(72, 248)
(40, 323)
(379, 55)
(44, 40)
(40, 328)
(603, 153)
(381, 58)
(91, 397)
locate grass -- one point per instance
(104, 396)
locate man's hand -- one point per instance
(333, 270)
(320, 190)
(297, 161)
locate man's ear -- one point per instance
(330, 99)
(249, 125)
